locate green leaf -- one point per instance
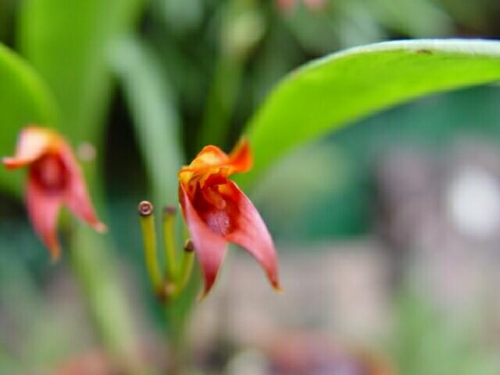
(155, 116)
(68, 42)
(24, 100)
(337, 90)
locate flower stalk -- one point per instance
(168, 286)
(149, 239)
(169, 242)
(185, 271)
(187, 263)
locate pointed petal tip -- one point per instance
(208, 285)
(278, 289)
(100, 227)
(201, 297)
(241, 158)
(10, 163)
(275, 284)
(209, 281)
(55, 253)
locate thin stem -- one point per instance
(185, 272)
(169, 242)
(178, 310)
(186, 265)
(149, 239)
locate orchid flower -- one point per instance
(54, 179)
(217, 212)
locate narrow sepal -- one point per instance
(241, 158)
(32, 143)
(209, 247)
(250, 232)
(76, 196)
(43, 210)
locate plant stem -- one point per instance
(178, 313)
(95, 270)
(149, 238)
(182, 279)
(169, 243)
(186, 265)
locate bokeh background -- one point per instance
(388, 231)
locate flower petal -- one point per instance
(76, 196)
(210, 248)
(241, 159)
(33, 142)
(250, 232)
(211, 159)
(209, 156)
(43, 210)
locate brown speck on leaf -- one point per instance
(424, 51)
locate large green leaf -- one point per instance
(334, 91)
(23, 100)
(68, 42)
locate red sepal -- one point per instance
(210, 248)
(43, 211)
(250, 232)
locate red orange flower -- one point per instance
(54, 179)
(217, 212)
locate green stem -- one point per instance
(186, 265)
(186, 268)
(96, 272)
(169, 243)
(149, 238)
(178, 312)
(178, 308)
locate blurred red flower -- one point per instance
(54, 179)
